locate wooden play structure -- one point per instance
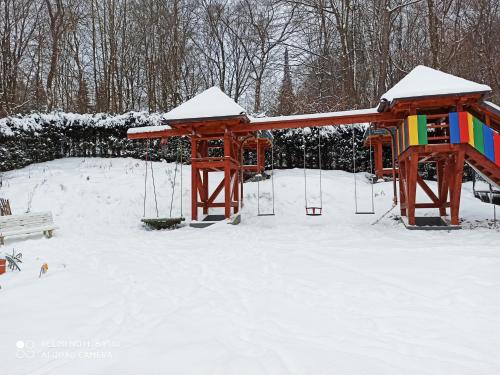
(428, 117)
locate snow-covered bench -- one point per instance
(25, 224)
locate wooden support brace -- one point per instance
(427, 189)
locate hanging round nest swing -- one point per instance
(162, 222)
(158, 222)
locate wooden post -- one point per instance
(411, 186)
(379, 165)
(259, 155)
(402, 186)
(227, 174)
(236, 185)
(194, 180)
(204, 153)
(456, 186)
(442, 187)
(241, 163)
(393, 160)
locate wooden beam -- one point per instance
(303, 121)
(431, 205)
(159, 134)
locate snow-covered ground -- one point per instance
(287, 294)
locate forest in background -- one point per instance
(274, 57)
(114, 56)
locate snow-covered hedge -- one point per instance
(10, 126)
(42, 137)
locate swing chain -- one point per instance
(154, 186)
(272, 183)
(181, 150)
(146, 180)
(178, 164)
(354, 151)
(316, 211)
(320, 164)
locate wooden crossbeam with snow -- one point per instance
(35, 222)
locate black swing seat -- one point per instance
(487, 196)
(162, 222)
(314, 211)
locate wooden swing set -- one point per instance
(418, 129)
(237, 134)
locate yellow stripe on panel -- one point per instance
(470, 126)
(413, 130)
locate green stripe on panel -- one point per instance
(478, 135)
(422, 130)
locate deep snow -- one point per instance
(288, 294)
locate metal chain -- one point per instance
(354, 169)
(371, 165)
(146, 149)
(305, 174)
(320, 165)
(154, 186)
(272, 169)
(272, 182)
(181, 161)
(173, 183)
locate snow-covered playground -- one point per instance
(287, 294)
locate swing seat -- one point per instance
(487, 196)
(314, 211)
(162, 222)
(365, 212)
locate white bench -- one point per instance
(12, 225)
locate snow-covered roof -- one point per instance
(260, 120)
(209, 103)
(148, 129)
(492, 106)
(425, 81)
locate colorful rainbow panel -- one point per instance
(454, 128)
(489, 147)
